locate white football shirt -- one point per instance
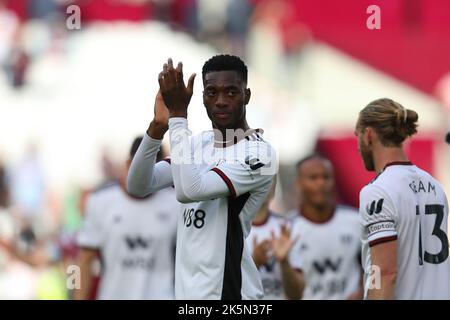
(213, 260)
(222, 188)
(407, 204)
(136, 240)
(328, 254)
(270, 273)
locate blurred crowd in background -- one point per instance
(277, 38)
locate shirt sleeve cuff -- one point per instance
(178, 122)
(226, 180)
(381, 231)
(382, 239)
(150, 141)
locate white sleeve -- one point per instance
(145, 176)
(378, 214)
(229, 178)
(91, 234)
(242, 176)
(190, 185)
(250, 171)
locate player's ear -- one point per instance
(248, 94)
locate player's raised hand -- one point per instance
(161, 116)
(282, 245)
(261, 252)
(175, 93)
(160, 123)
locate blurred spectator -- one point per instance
(276, 38)
(43, 9)
(72, 209)
(6, 234)
(17, 281)
(51, 281)
(212, 22)
(110, 170)
(265, 47)
(185, 15)
(34, 273)
(9, 23)
(238, 20)
(135, 238)
(28, 187)
(4, 188)
(17, 66)
(179, 14)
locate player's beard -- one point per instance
(367, 157)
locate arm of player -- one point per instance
(85, 259)
(292, 278)
(227, 179)
(260, 252)
(37, 257)
(384, 255)
(190, 185)
(359, 292)
(90, 238)
(293, 281)
(145, 176)
(379, 221)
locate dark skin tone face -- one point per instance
(225, 96)
(315, 181)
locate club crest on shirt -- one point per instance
(254, 163)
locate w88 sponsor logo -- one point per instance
(194, 218)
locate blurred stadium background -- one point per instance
(71, 101)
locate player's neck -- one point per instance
(221, 134)
(262, 216)
(385, 156)
(317, 214)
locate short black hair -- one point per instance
(315, 155)
(225, 62)
(137, 142)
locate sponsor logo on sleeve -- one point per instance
(375, 206)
